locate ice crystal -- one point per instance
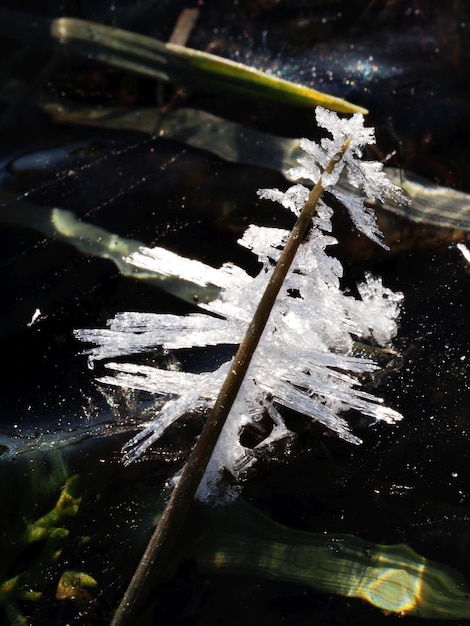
(465, 251)
(304, 361)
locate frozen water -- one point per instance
(304, 359)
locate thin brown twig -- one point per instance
(182, 497)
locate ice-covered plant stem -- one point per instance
(304, 360)
(186, 487)
(294, 346)
(199, 458)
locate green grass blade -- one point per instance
(163, 61)
(252, 82)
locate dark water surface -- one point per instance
(407, 62)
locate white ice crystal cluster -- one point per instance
(304, 360)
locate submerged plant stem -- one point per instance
(182, 497)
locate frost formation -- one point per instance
(304, 360)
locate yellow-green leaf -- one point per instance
(250, 81)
